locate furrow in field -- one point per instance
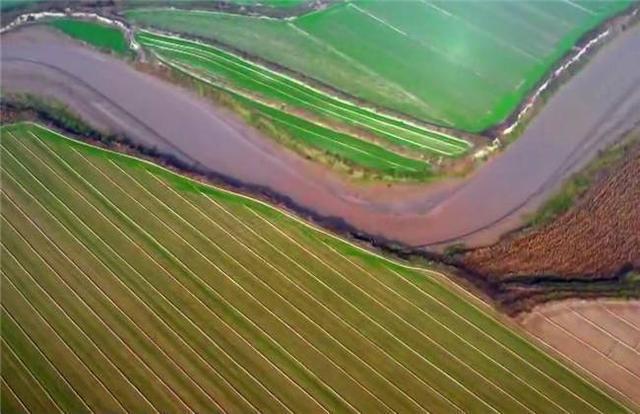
(234, 305)
(124, 343)
(106, 230)
(170, 261)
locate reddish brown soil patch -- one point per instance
(598, 237)
(600, 337)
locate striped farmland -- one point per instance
(128, 288)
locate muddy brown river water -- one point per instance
(588, 113)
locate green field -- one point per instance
(105, 38)
(291, 95)
(460, 64)
(128, 288)
(367, 157)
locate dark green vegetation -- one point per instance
(129, 288)
(292, 95)
(458, 64)
(105, 38)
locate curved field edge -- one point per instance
(354, 156)
(476, 315)
(273, 85)
(313, 31)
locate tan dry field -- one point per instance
(601, 337)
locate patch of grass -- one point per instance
(200, 300)
(49, 110)
(103, 37)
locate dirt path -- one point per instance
(601, 337)
(598, 104)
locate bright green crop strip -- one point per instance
(353, 150)
(273, 86)
(127, 287)
(103, 37)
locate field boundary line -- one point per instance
(151, 285)
(397, 88)
(604, 331)
(384, 285)
(347, 324)
(437, 277)
(61, 309)
(378, 19)
(577, 6)
(142, 278)
(484, 32)
(134, 353)
(222, 272)
(6, 346)
(623, 320)
(148, 236)
(621, 399)
(441, 279)
(13, 393)
(588, 345)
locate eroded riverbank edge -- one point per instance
(510, 298)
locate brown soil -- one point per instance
(601, 338)
(599, 237)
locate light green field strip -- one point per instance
(129, 288)
(354, 150)
(462, 65)
(225, 67)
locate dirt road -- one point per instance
(598, 104)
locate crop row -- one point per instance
(128, 288)
(271, 85)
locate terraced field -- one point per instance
(129, 288)
(284, 92)
(457, 64)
